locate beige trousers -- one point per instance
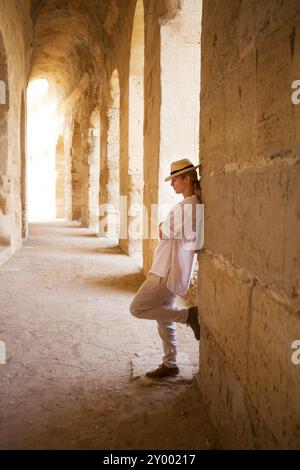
(154, 301)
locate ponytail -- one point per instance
(197, 189)
(195, 182)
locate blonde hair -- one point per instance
(195, 182)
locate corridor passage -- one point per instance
(74, 353)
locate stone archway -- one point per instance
(60, 167)
(5, 182)
(136, 134)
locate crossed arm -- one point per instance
(186, 224)
(160, 231)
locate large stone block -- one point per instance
(220, 41)
(275, 127)
(228, 120)
(238, 422)
(295, 74)
(251, 210)
(213, 132)
(240, 113)
(224, 305)
(274, 381)
(271, 14)
(291, 253)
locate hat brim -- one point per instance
(187, 170)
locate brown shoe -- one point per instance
(163, 371)
(193, 322)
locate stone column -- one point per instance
(94, 170)
(60, 178)
(68, 181)
(172, 88)
(23, 182)
(110, 162)
(76, 172)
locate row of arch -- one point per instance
(90, 172)
(106, 177)
(178, 134)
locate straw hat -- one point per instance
(180, 167)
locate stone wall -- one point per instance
(15, 52)
(249, 273)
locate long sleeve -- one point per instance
(185, 222)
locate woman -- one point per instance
(181, 235)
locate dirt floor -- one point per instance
(74, 372)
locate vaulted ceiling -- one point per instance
(69, 38)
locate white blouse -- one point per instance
(183, 235)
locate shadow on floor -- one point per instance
(95, 417)
(124, 282)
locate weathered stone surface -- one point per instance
(275, 112)
(230, 119)
(273, 378)
(239, 423)
(249, 277)
(264, 402)
(224, 309)
(252, 209)
(272, 14)
(220, 53)
(15, 52)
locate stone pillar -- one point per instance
(172, 87)
(60, 165)
(84, 175)
(94, 170)
(103, 177)
(110, 163)
(68, 181)
(135, 135)
(76, 172)
(23, 185)
(152, 96)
